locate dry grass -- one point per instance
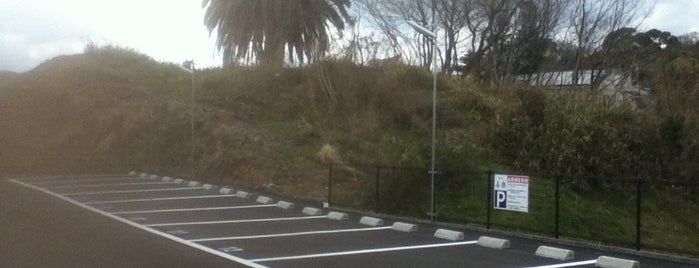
(328, 155)
(113, 109)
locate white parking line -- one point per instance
(570, 264)
(290, 234)
(111, 184)
(134, 191)
(90, 180)
(158, 199)
(60, 178)
(366, 251)
(190, 209)
(150, 230)
(235, 221)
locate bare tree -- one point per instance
(390, 16)
(452, 16)
(384, 22)
(490, 26)
(591, 22)
(535, 25)
(501, 39)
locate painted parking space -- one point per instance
(457, 256)
(255, 232)
(212, 200)
(75, 181)
(138, 184)
(312, 244)
(103, 187)
(223, 232)
(117, 197)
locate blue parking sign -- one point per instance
(511, 192)
(500, 199)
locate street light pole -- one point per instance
(191, 122)
(189, 68)
(433, 37)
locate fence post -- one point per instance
(639, 201)
(377, 193)
(557, 231)
(488, 194)
(330, 184)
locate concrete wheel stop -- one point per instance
(371, 221)
(555, 253)
(449, 235)
(404, 227)
(492, 242)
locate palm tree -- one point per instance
(265, 29)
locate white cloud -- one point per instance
(676, 16)
(32, 31)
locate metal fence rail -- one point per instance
(638, 213)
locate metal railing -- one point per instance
(637, 213)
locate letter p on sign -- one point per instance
(501, 199)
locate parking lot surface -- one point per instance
(216, 225)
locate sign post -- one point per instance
(511, 192)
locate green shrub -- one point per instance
(578, 137)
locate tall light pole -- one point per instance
(433, 37)
(189, 68)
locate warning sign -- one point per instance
(511, 192)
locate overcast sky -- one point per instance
(32, 31)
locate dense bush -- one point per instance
(581, 137)
(372, 115)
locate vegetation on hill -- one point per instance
(114, 110)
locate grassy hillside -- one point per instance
(114, 110)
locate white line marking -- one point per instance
(235, 221)
(134, 191)
(59, 178)
(112, 184)
(366, 251)
(290, 234)
(150, 230)
(190, 209)
(158, 199)
(92, 180)
(570, 264)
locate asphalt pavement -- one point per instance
(145, 220)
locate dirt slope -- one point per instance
(114, 111)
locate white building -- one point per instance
(615, 86)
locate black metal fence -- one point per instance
(638, 213)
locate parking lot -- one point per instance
(259, 230)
